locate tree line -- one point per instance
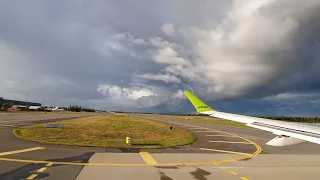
(5, 105)
(76, 108)
(293, 119)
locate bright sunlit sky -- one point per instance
(259, 57)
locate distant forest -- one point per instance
(294, 119)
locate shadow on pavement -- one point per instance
(25, 171)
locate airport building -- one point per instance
(15, 102)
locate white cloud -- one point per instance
(168, 29)
(179, 95)
(137, 96)
(119, 36)
(118, 92)
(245, 51)
(128, 37)
(168, 55)
(138, 41)
(159, 42)
(160, 77)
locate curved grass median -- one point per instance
(108, 131)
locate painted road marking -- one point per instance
(230, 142)
(141, 165)
(188, 126)
(21, 151)
(42, 169)
(32, 176)
(147, 158)
(117, 165)
(49, 164)
(7, 125)
(213, 135)
(206, 131)
(197, 128)
(233, 173)
(217, 150)
(258, 150)
(39, 171)
(231, 167)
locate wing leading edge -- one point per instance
(289, 133)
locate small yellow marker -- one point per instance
(128, 140)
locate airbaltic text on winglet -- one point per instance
(201, 107)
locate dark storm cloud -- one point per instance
(140, 55)
(45, 43)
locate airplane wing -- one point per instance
(288, 133)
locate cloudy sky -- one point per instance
(258, 57)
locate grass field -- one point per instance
(108, 131)
(203, 119)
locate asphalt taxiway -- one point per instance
(219, 152)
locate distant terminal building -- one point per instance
(15, 102)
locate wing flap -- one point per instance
(284, 141)
(295, 133)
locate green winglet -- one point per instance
(197, 103)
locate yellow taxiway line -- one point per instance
(50, 164)
(42, 169)
(233, 173)
(217, 150)
(32, 176)
(244, 178)
(206, 131)
(231, 142)
(21, 151)
(148, 158)
(199, 128)
(213, 135)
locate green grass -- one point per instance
(204, 119)
(108, 131)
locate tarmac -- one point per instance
(219, 152)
